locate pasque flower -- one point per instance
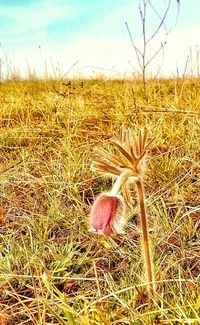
(108, 210)
(107, 213)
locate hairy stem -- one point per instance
(145, 237)
(119, 181)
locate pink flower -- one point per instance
(106, 215)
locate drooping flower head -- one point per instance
(126, 164)
(107, 214)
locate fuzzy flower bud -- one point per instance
(106, 215)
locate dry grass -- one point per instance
(52, 271)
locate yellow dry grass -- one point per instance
(52, 271)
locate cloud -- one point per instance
(116, 53)
(111, 56)
(100, 54)
(28, 17)
(93, 37)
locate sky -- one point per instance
(89, 38)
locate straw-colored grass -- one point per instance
(52, 270)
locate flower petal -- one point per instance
(104, 214)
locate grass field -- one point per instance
(52, 270)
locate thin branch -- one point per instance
(162, 18)
(156, 53)
(137, 51)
